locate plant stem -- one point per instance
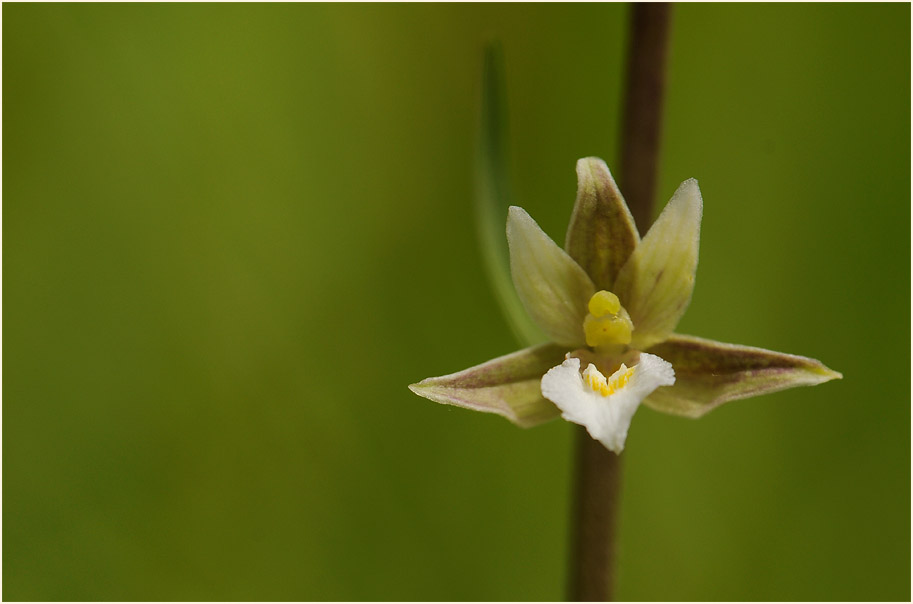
(592, 549)
(643, 108)
(598, 477)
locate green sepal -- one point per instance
(508, 386)
(601, 235)
(656, 282)
(709, 373)
(553, 288)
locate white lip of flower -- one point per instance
(605, 406)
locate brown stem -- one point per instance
(597, 491)
(643, 108)
(598, 477)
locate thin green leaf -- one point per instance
(493, 196)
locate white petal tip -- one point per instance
(606, 413)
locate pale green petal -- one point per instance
(655, 284)
(708, 374)
(508, 386)
(601, 235)
(553, 288)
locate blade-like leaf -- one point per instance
(601, 235)
(508, 386)
(656, 282)
(709, 373)
(553, 288)
(493, 196)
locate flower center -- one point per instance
(608, 323)
(597, 382)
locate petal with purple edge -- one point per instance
(710, 373)
(507, 385)
(601, 235)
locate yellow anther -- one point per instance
(607, 330)
(604, 303)
(597, 382)
(608, 323)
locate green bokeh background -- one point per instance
(233, 234)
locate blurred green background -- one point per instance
(233, 234)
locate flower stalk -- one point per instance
(598, 472)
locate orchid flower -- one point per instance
(610, 302)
